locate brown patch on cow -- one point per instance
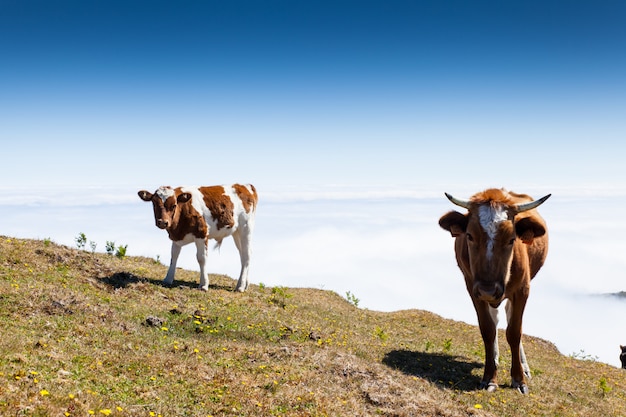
(248, 199)
(220, 205)
(186, 220)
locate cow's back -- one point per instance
(224, 207)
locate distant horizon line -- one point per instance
(88, 195)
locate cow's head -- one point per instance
(165, 202)
(490, 231)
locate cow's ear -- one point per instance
(183, 198)
(454, 222)
(145, 195)
(528, 228)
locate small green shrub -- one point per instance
(352, 299)
(583, 356)
(428, 345)
(279, 296)
(380, 333)
(81, 241)
(604, 387)
(121, 251)
(110, 247)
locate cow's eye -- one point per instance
(512, 241)
(470, 237)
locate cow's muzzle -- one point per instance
(491, 292)
(162, 224)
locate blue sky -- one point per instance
(283, 92)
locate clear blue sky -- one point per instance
(286, 92)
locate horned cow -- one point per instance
(500, 244)
(199, 214)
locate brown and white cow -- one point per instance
(198, 214)
(500, 244)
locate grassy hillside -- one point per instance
(92, 334)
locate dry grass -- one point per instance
(90, 334)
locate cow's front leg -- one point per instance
(519, 366)
(488, 322)
(202, 250)
(169, 278)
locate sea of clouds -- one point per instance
(384, 246)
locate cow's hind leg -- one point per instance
(242, 241)
(202, 249)
(169, 278)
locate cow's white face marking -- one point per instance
(490, 218)
(165, 192)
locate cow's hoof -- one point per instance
(167, 283)
(488, 386)
(240, 289)
(522, 388)
(205, 288)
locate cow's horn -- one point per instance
(520, 208)
(460, 203)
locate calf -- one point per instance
(622, 356)
(198, 214)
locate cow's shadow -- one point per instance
(443, 370)
(120, 280)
